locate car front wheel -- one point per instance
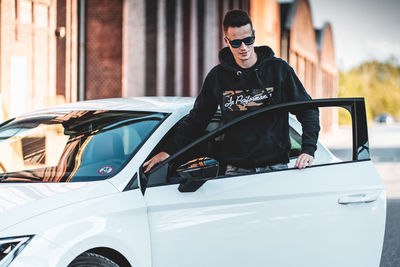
(92, 259)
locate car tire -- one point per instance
(88, 259)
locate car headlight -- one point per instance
(10, 247)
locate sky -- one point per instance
(362, 29)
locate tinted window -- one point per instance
(69, 147)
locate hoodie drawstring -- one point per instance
(270, 99)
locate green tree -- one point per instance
(377, 82)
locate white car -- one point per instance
(73, 192)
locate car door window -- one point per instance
(209, 146)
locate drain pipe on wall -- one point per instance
(82, 50)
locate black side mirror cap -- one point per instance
(196, 172)
(190, 185)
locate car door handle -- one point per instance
(357, 198)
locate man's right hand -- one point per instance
(155, 160)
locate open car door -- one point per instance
(330, 214)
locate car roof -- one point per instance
(167, 104)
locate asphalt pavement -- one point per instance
(391, 245)
(385, 153)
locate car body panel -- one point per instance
(22, 201)
(33, 255)
(253, 220)
(149, 104)
(117, 221)
(269, 217)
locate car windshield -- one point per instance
(72, 147)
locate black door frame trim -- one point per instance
(356, 107)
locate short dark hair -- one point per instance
(236, 18)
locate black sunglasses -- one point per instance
(238, 42)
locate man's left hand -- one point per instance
(304, 160)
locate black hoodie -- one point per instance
(256, 142)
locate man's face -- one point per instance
(244, 52)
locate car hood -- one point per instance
(21, 201)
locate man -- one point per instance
(247, 79)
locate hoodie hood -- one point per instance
(264, 54)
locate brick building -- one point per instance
(27, 55)
(266, 17)
(311, 53)
(69, 50)
(327, 79)
(299, 46)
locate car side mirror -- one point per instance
(196, 172)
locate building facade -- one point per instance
(299, 45)
(311, 53)
(70, 50)
(266, 17)
(27, 56)
(327, 75)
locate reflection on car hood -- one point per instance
(19, 202)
